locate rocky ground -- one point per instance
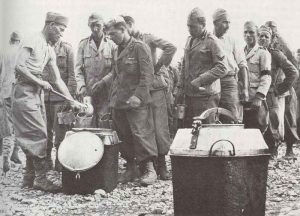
(283, 195)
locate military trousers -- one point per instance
(7, 132)
(230, 98)
(52, 108)
(275, 132)
(29, 117)
(101, 108)
(160, 117)
(197, 105)
(135, 129)
(290, 118)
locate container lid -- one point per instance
(222, 141)
(108, 136)
(80, 151)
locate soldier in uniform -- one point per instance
(284, 75)
(53, 103)
(291, 102)
(236, 64)
(93, 63)
(132, 76)
(259, 64)
(7, 80)
(158, 91)
(28, 106)
(203, 66)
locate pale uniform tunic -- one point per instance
(28, 105)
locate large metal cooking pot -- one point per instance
(80, 151)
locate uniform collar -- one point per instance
(252, 51)
(127, 47)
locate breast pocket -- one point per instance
(62, 61)
(131, 65)
(205, 56)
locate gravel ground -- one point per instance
(283, 195)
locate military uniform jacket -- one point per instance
(258, 60)
(133, 74)
(93, 64)
(65, 63)
(204, 61)
(284, 73)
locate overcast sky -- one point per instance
(163, 18)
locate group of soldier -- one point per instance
(116, 69)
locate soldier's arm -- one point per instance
(168, 51)
(21, 68)
(146, 71)
(79, 68)
(218, 61)
(265, 77)
(290, 71)
(70, 70)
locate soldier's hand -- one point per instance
(98, 86)
(82, 92)
(244, 96)
(256, 103)
(76, 105)
(46, 85)
(134, 101)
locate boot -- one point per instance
(49, 163)
(15, 155)
(149, 176)
(162, 171)
(57, 164)
(274, 150)
(130, 173)
(41, 182)
(29, 174)
(6, 166)
(289, 151)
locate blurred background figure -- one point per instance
(7, 80)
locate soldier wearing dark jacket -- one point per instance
(284, 74)
(133, 74)
(203, 66)
(65, 63)
(291, 102)
(158, 91)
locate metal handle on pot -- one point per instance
(211, 148)
(217, 111)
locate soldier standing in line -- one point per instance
(158, 91)
(259, 65)
(203, 66)
(235, 82)
(28, 106)
(290, 114)
(93, 63)
(7, 80)
(284, 75)
(132, 77)
(53, 103)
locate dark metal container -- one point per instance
(103, 175)
(223, 174)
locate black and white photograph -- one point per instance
(149, 107)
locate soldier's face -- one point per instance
(116, 35)
(264, 39)
(195, 27)
(221, 27)
(250, 36)
(55, 32)
(97, 29)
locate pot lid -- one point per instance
(80, 151)
(219, 141)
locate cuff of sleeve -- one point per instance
(197, 82)
(260, 95)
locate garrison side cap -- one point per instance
(57, 18)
